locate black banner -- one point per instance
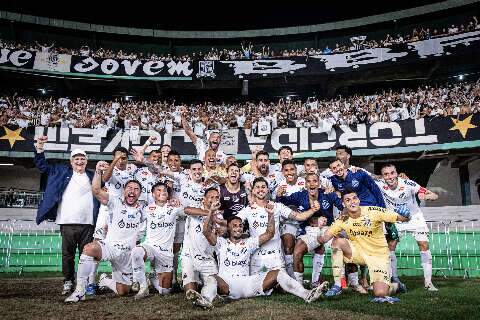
(379, 138)
(458, 44)
(17, 58)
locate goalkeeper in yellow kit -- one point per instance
(366, 243)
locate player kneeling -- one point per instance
(125, 217)
(234, 254)
(158, 245)
(366, 244)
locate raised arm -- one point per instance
(102, 196)
(425, 194)
(208, 231)
(302, 216)
(109, 171)
(39, 160)
(187, 128)
(270, 232)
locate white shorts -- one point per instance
(179, 231)
(162, 259)
(417, 226)
(196, 268)
(246, 286)
(289, 228)
(310, 237)
(118, 253)
(266, 260)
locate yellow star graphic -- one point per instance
(12, 136)
(463, 125)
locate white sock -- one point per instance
(353, 279)
(290, 285)
(289, 265)
(209, 290)
(92, 277)
(109, 283)
(138, 266)
(155, 283)
(393, 264)
(164, 290)
(426, 257)
(317, 266)
(299, 277)
(86, 265)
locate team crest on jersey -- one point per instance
(367, 222)
(198, 229)
(355, 183)
(325, 204)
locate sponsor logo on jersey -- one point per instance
(162, 224)
(325, 204)
(256, 224)
(355, 183)
(129, 225)
(366, 233)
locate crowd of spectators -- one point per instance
(165, 116)
(247, 51)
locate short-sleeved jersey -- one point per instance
(147, 179)
(366, 231)
(298, 186)
(403, 195)
(257, 218)
(364, 185)
(161, 223)
(234, 258)
(194, 242)
(232, 203)
(119, 178)
(191, 192)
(124, 221)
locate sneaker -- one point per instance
(430, 287)
(333, 291)
(76, 296)
(142, 293)
(67, 287)
(316, 293)
(101, 285)
(198, 299)
(402, 288)
(358, 288)
(135, 286)
(91, 289)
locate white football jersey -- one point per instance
(271, 178)
(191, 192)
(292, 188)
(124, 222)
(257, 218)
(119, 178)
(234, 258)
(403, 195)
(147, 179)
(195, 242)
(161, 223)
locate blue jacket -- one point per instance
(59, 176)
(327, 201)
(364, 185)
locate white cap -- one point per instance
(77, 152)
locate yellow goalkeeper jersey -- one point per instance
(366, 231)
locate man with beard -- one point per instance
(214, 140)
(212, 170)
(366, 244)
(234, 255)
(233, 195)
(308, 242)
(261, 169)
(125, 217)
(399, 192)
(270, 255)
(290, 184)
(157, 247)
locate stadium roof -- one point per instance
(211, 16)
